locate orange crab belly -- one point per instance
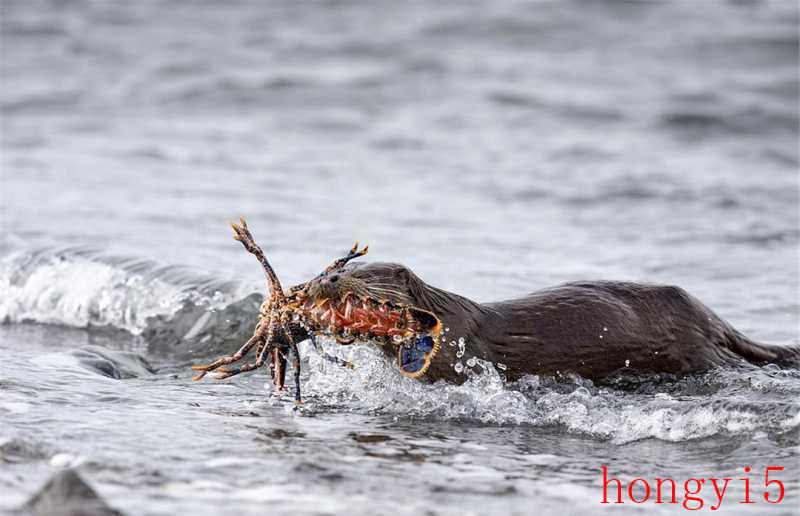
(356, 317)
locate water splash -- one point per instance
(674, 410)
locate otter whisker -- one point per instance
(386, 293)
(386, 290)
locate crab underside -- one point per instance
(414, 331)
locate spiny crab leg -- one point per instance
(257, 338)
(341, 262)
(276, 302)
(261, 355)
(243, 235)
(336, 265)
(227, 373)
(295, 363)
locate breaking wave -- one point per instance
(82, 288)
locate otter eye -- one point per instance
(334, 278)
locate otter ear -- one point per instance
(414, 358)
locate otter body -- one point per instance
(595, 329)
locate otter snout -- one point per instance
(326, 287)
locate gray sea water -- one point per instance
(495, 148)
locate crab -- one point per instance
(330, 305)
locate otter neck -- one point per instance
(461, 318)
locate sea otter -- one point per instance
(595, 329)
(591, 328)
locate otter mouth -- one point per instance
(351, 318)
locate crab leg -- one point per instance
(243, 235)
(265, 343)
(226, 359)
(278, 369)
(341, 262)
(224, 372)
(227, 373)
(295, 363)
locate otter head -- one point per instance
(372, 303)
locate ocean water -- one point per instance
(494, 148)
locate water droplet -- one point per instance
(398, 338)
(296, 317)
(472, 361)
(453, 343)
(502, 366)
(627, 363)
(605, 329)
(459, 367)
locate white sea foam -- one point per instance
(80, 290)
(574, 405)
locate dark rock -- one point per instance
(66, 494)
